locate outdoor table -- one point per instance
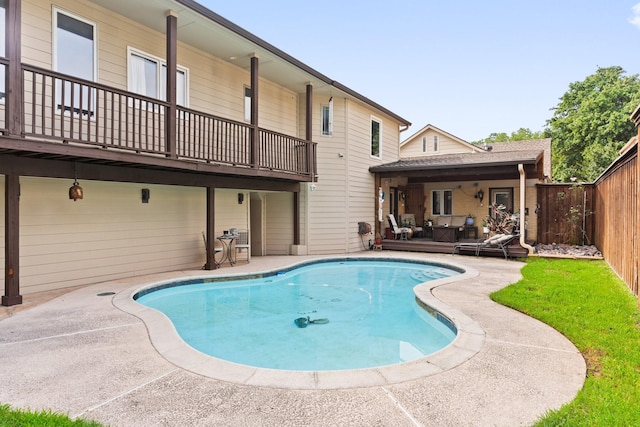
(226, 240)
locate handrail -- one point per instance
(62, 108)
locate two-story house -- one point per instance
(129, 128)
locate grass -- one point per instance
(20, 418)
(591, 306)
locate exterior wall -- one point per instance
(345, 193)
(111, 234)
(107, 235)
(215, 86)
(465, 203)
(446, 145)
(279, 223)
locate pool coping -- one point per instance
(469, 340)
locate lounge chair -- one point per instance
(497, 242)
(398, 232)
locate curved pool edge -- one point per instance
(469, 340)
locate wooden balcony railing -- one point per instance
(65, 109)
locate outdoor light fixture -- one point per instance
(75, 191)
(240, 198)
(480, 195)
(146, 195)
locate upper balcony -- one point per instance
(61, 115)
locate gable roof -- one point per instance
(436, 129)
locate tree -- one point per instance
(521, 134)
(591, 123)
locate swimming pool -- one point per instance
(326, 315)
(167, 342)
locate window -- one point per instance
(247, 103)
(74, 53)
(327, 118)
(376, 128)
(435, 143)
(424, 144)
(442, 202)
(148, 77)
(501, 196)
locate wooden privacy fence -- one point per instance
(616, 217)
(565, 214)
(605, 214)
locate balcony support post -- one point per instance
(13, 79)
(255, 131)
(11, 241)
(309, 129)
(172, 69)
(210, 233)
(296, 218)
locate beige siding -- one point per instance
(109, 234)
(229, 213)
(215, 86)
(279, 223)
(446, 145)
(346, 193)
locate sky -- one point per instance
(470, 68)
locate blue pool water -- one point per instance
(373, 317)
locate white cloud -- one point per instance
(635, 19)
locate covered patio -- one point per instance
(460, 184)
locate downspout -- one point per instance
(522, 198)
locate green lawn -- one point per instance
(592, 307)
(19, 418)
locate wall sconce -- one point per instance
(240, 198)
(146, 195)
(480, 195)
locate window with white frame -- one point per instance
(327, 118)
(247, 103)
(148, 77)
(442, 202)
(74, 54)
(376, 137)
(424, 144)
(435, 143)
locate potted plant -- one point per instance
(485, 226)
(500, 220)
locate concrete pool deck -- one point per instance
(79, 354)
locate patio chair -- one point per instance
(497, 242)
(242, 242)
(410, 220)
(216, 250)
(401, 233)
